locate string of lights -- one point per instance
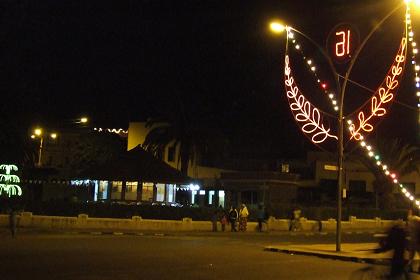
(111, 130)
(312, 66)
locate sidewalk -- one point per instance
(356, 252)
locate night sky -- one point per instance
(121, 61)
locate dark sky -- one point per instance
(117, 61)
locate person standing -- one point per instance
(223, 219)
(243, 217)
(260, 216)
(233, 217)
(13, 222)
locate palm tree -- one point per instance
(191, 134)
(401, 157)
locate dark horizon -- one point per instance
(127, 61)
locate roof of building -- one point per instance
(135, 165)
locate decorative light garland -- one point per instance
(112, 130)
(312, 67)
(303, 110)
(385, 96)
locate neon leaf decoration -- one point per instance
(382, 96)
(8, 182)
(304, 112)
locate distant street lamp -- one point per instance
(38, 133)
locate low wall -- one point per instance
(136, 223)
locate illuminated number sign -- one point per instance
(342, 42)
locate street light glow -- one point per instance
(277, 27)
(38, 131)
(53, 135)
(84, 120)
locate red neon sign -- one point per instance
(342, 47)
(342, 42)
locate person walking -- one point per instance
(243, 217)
(233, 217)
(396, 240)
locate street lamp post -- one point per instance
(38, 133)
(341, 89)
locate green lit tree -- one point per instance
(8, 181)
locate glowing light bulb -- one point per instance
(370, 154)
(334, 102)
(313, 69)
(324, 85)
(384, 167)
(395, 181)
(378, 162)
(387, 172)
(417, 67)
(363, 143)
(368, 148)
(393, 175)
(411, 33)
(336, 108)
(418, 93)
(415, 51)
(309, 62)
(297, 47)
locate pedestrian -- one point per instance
(214, 219)
(233, 217)
(413, 228)
(13, 222)
(223, 219)
(295, 220)
(261, 216)
(243, 217)
(396, 240)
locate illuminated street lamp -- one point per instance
(84, 120)
(277, 28)
(38, 133)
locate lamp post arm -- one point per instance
(325, 55)
(358, 51)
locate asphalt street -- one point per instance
(177, 256)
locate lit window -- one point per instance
(211, 194)
(131, 187)
(147, 192)
(160, 192)
(131, 190)
(116, 187)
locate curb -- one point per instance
(329, 256)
